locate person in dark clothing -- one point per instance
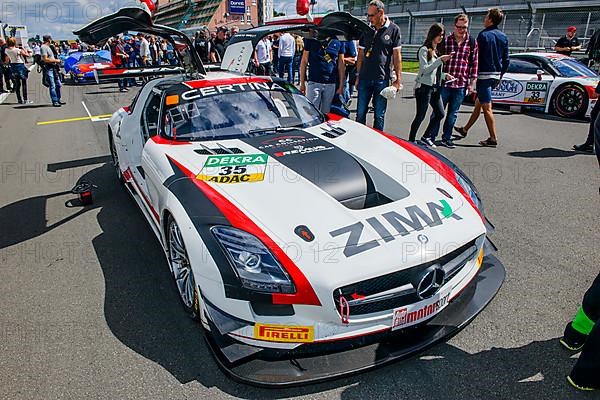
(202, 45)
(583, 333)
(4, 69)
(493, 64)
(568, 43)
(379, 51)
(218, 45)
(588, 146)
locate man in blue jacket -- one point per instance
(493, 64)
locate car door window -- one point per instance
(150, 116)
(517, 66)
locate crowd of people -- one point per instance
(327, 70)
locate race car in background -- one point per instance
(309, 246)
(550, 82)
(81, 66)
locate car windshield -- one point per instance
(572, 69)
(238, 114)
(91, 59)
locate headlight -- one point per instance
(254, 264)
(466, 184)
(462, 179)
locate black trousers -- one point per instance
(20, 86)
(593, 115)
(587, 368)
(5, 75)
(426, 95)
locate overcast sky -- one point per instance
(61, 17)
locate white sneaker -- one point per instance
(428, 142)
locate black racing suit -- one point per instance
(587, 369)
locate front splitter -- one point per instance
(268, 369)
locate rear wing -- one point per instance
(107, 74)
(241, 47)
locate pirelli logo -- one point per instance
(284, 333)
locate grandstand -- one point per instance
(528, 24)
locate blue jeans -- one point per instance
(453, 98)
(368, 89)
(286, 64)
(55, 84)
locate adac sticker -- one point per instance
(234, 168)
(284, 333)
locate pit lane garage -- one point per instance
(550, 82)
(305, 254)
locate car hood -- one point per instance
(316, 180)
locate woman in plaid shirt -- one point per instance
(462, 66)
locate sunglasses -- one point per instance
(461, 26)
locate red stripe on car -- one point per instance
(438, 165)
(128, 175)
(161, 140)
(305, 294)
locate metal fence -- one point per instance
(539, 30)
(525, 26)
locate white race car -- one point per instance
(549, 81)
(309, 246)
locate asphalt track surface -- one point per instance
(88, 309)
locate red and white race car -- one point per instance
(308, 245)
(551, 82)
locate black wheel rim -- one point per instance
(570, 101)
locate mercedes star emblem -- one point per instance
(431, 281)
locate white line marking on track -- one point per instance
(93, 118)
(86, 110)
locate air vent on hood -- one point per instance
(333, 132)
(220, 150)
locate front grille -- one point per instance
(400, 285)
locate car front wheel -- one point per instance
(182, 269)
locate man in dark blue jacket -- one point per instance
(493, 64)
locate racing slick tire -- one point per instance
(570, 101)
(179, 264)
(115, 157)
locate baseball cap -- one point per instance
(571, 29)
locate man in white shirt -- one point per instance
(263, 56)
(144, 50)
(287, 48)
